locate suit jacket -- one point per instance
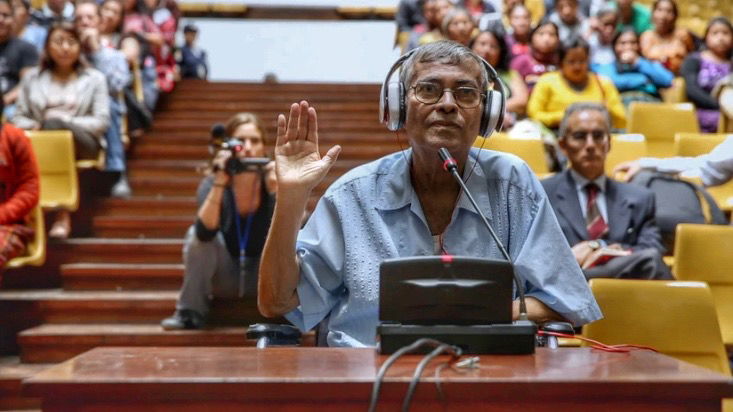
(630, 212)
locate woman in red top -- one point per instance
(19, 191)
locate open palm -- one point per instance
(299, 165)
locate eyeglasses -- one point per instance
(581, 136)
(59, 42)
(431, 93)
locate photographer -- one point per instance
(222, 249)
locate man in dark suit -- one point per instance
(609, 225)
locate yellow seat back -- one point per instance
(696, 144)
(659, 122)
(676, 318)
(705, 253)
(35, 253)
(57, 165)
(625, 147)
(532, 151)
(676, 93)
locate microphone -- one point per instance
(450, 166)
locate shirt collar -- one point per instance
(397, 191)
(581, 182)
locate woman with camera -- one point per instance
(222, 249)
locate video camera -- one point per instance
(234, 165)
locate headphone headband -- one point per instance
(392, 105)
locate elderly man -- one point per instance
(112, 63)
(405, 204)
(610, 225)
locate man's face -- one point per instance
(567, 10)
(57, 6)
(6, 22)
(444, 123)
(586, 142)
(86, 16)
(607, 27)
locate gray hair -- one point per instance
(605, 9)
(444, 51)
(452, 14)
(582, 107)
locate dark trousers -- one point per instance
(86, 146)
(642, 264)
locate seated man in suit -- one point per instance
(609, 225)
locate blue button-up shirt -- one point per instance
(373, 213)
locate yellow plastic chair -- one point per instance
(675, 93)
(676, 318)
(56, 162)
(703, 253)
(696, 144)
(35, 253)
(659, 122)
(531, 151)
(625, 147)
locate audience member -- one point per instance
(404, 204)
(601, 39)
(520, 28)
(634, 15)
(19, 192)
(666, 43)
(110, 27)
(477, 8)
(491, 47)
(458, 26)
(543, 54)
(536, 10)
(435, 12)
(22, 29)
(610, 225)
(409, 14)
(138, 19)
(714, 168)
(53, 11)
(17, 58)
(192, 61)
(636, 78)
(570, 23)
(704, 69)
(225, 243)
(165, 15)
(65, 93)
(573, 83)
(111, 62)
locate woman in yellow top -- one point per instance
(556, 91)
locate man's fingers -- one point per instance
(281, 138)
(313, 125)
(303, 121)
(292, 130)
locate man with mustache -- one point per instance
(610, 225)
(405, 204)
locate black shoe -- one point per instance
(183, 319)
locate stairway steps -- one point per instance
(142, 226)
(195, 138)
(122, 276)
(203, 87)
(98, 250)
(12, 373)
(204, 120)
(149, 206)
(351, 152)
(57, 343)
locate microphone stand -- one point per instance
(450, 165)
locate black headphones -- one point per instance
(392, 106)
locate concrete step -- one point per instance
(119, 276)
(107, 250)
(142, 226)
(148, 206)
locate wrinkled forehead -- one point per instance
(468, 72)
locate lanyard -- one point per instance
(242, 237)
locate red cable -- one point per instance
(621, 348)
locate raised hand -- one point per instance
(298, 163)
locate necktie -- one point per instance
(595, 224)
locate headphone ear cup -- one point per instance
(394, 105)
(493, 116)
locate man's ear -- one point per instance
(563, 144)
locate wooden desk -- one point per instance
(324, 379)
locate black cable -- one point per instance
(386, 365)
(454, 350)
